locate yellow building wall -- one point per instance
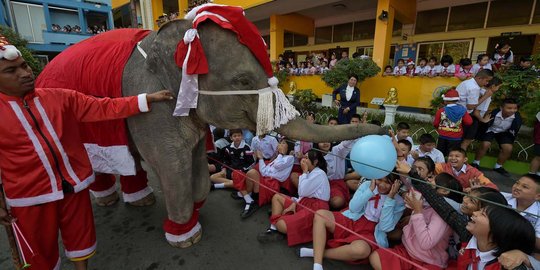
(412, 92)
(118, 3)
(242, 3)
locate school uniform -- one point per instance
(215, 158)
(400, 70)
(435, 155)
(446, 71)
(425, 241)
(267, 145)
(464, 174)
(422, 70)
(239, 159)
(531, 213)
(273, 176)
(335, 161)
(478, 67)
(314, 193)
(431, 70)
(503, 130)
(484, 106)
(470, 258)
(469, 93)
(349, 98)
(371, 215)
(498, 60)
(464, 72)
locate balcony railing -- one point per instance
(63, 38)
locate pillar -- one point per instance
(383, 33)
(182, 7)
(157, 11)
(277, 35)
(47, 15)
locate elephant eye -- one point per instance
(242, 82)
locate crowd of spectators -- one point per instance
(93, 30)
(315, 63)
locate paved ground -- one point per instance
(132, 238)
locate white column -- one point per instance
(146, 14)
(390, 114)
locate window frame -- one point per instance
(469, 53)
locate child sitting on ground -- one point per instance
(271, 175)
(427, 148)
(449, 122)
(238, 158)
(214, 158)
(373, 211)
(289, 215)
(503, 127)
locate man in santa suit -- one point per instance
(45, 171)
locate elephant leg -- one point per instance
(201, 178)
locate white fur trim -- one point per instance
(85, 183)
(45, 198)
(132, 197)
(273, 82)
(111, 159)
(10, 53)
(185, 236)
(81, 253)
(193, 13)
(104, 193)
(143, 103)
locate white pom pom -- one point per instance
(273, 82)
(10, 53)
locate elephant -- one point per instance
(174, 147)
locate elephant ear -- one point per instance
(160, 60)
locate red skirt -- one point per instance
(341, 237)
(297, 169)
(300, 224)
(268, 188)
(338, 188)
(239, 180)
(391, 261)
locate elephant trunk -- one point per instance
(299, 129)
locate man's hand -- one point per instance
(403, 167)
(346, 110)
(158, 96)
(5, 217)
(513, 258)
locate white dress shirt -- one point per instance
(314, 184)
(280, 168)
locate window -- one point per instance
(467, 17)
(456, 48)
(364, 30)
(30, 21)
(288, 39)
(509, 12)
(300, 40)
(292, 39)
(397, 29)
(267, 40)
(63, 17)
(431, 21)
(365, 51)
(323, 35)
(343, 32)
(536, 16)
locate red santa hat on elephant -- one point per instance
(8, 51)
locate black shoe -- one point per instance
(212, 187)
(270, 236)
(475, 165)
(502, 171)
(252, 207)
(235, 196)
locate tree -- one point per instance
(16, 40)
(340, 74)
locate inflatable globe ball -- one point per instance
(374, 156)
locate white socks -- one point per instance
(306, 252)
(220, 185)
(497, 165)
(248, 199)
(317, 266)
(477, 162)
(273, 227)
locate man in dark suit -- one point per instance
(349, 99)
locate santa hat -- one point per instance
(410, 62)
(451, 95)
(8, 51)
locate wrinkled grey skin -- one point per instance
(175, 146)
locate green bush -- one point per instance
(438, 101)
(304, 100)
(16, 40)
(340, 74)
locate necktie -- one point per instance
(376, 198)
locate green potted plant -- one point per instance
(340, 74)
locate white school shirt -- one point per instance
(530, 213)
(280, 168)
(431, 70)
(400, 71)
(267, 145)
(422, 70)
(476, 68)
(335, 160)
(451, 69)
(436, 155)
(314, 184)
(484, 106)
(221, 143)
(499, 57)
(371, 213)
(485, 257)
(469, 92)
(501, 124)
(348, 92)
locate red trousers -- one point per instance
(40, 224)
(133, 187)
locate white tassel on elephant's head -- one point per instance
(272, 115)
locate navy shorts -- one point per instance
(469, 132)
(501, 138)
(537, 150)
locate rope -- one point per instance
(325, 218)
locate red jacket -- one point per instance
(451, 126)
(40, 146)
(464, 177)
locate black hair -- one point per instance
(356, 116)
(401, 60)
(488, 196)
(484, 73)
(498, 47)
(458, 149)
(236, 130)
(525, 58)
(389, 66)
(356, 54)
(332, 118)
(316, 155)
(426, 138)
(509, 230)
(509, 101)
(494, 82)
(312, 114)
(465, 62)
(375, 122)
(447, 59)
(290, 143)
(481, 56)
(428, 162)
(403, 125)
(406, 142)
(534, 177)
(353, 76)
(449, 181)
(423, 58)
(433, 58)
(218, 133)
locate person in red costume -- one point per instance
(45, 171)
